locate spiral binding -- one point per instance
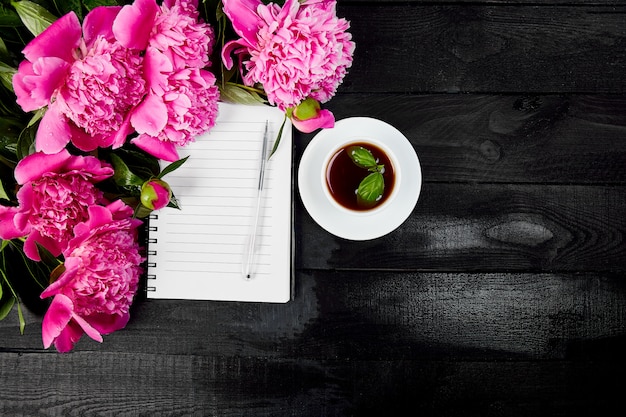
(151, 278)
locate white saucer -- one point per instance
(357, 226)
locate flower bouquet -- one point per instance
(94, 105)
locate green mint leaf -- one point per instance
(35, 18)
(371, 189)
(361, 156)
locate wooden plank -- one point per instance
(368, 315)
(487, 227)
(572, 139)
(115, 384)
(486, 48)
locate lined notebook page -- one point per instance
(197, 252)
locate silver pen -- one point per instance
(250, 248)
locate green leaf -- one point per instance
(35, 17)
(37, 116)
(21, 317)
(4, 52)
(172, 167)
(371, 189)
(5, 306)
(92, 4)
(174, 202)
(139, 162)
(233, 93)
(3, 193)
(278, 137)
(66, 6)
(8, 18)
(6, 75)
(26, 142)
(123, 176)
(362, 157)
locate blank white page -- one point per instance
(197, 252)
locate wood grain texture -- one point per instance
(487, 227)
(371, 315)
(134, 385)
(486, 48)
(559, 139)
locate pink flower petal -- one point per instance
(155, 147)
(150, 116)
(56, 319)
(54, 132)
(236, 46)
(119, 138)
(25, 196)
(47, 44)
(35, 165)
(87, 328)
(99, 22)
(98, 216)
(83, 140)
(244, 17)
(34, 83)
(155, 65)
(324, 119)
(134, 23)
(68, 337)
(8, 230)
(32, 251)
(98, 170)
(108, 323)
(71, 265)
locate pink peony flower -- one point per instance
(89, 81)
(182, 98)
(55, 195)
(180, 106)
(300, 50)
(102, 268)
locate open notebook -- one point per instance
(197, 252)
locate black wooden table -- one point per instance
(503, 294)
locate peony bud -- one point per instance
(308, 116)
(155, 194)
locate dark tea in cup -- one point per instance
(344, 175)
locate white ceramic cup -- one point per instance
(361, 139)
